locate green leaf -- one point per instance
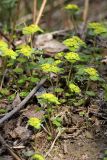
(59, 90)
(79, 102)
(2, 111)
(33, 79)
(23, 94)
(18, 70)
(11, 97)
(94, 78)
(4, 91)
(91, 93)
(21, 59)
(57, 121)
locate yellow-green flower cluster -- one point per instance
(47, 67)
(91, 71)
(97, 28)
(31, 29)
(72, 57)
(74, 88)
(26, 50)
(10, 53)
(73, 7)
(74, 43)
(38, 157)
(59, 55)
(35, 122)
(6, 51)
(93, 74)
(50, 98)
(3, 45)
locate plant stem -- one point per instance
(74, 23)
(87, 87)
(46, 130)
(69, 74)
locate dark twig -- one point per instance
(9, 148)
(21, 105)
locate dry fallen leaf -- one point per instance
(20, 132)
(48, 44)
(16, 101)
(31, 112)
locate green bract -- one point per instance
(74, 43)
(10, 53)
(35, 122)
(91, 71)
(49, 97)
(96, 28)
(59, 55)
(74, 88)
(72, 57)
(51, 67)
(93, 74)
(38, 157)
(26, 50)
(72, 7)
(31, 29)
(3, 45)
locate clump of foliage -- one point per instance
(74, 43)
(96, 28)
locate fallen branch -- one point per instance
(14, 155)
(21, 105)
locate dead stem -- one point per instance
(40, 12)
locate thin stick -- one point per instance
(59, 133)
(85, 17)
(34, 10)
(85, 13)
(21, 105)
(9, 149)
(40, 12)
(2, 81)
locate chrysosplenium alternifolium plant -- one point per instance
(74, 43)
(51, 67)
(26, 50)
(31, 29)
(7, 52)
(72, 57)
(35, 122)
(73, 8)
(96, 28)
(49, 98)
(74, 88)
(92, 73)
